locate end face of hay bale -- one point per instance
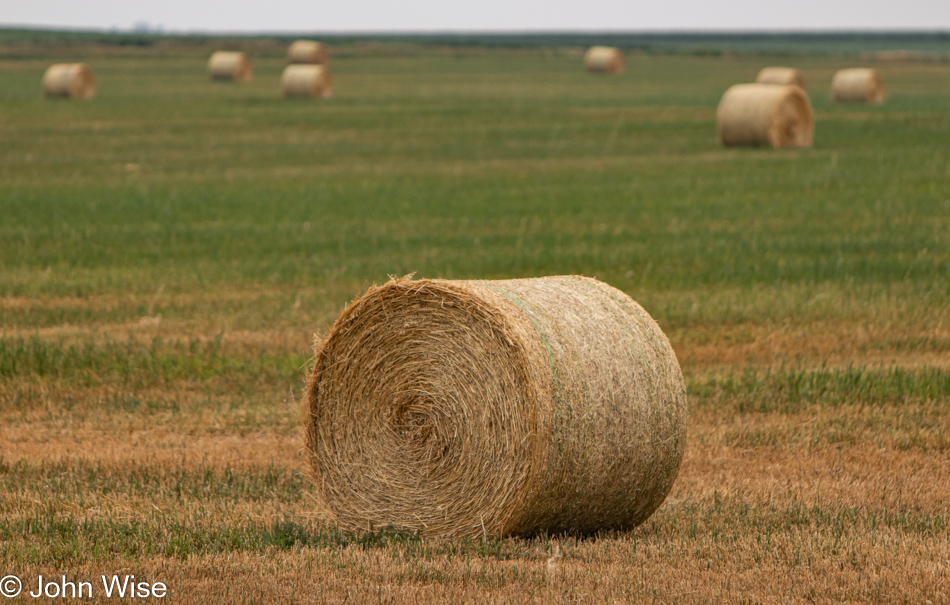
(308, 52)
(765, 115)
(69, 80)
(857, 85)
(230, 66)
(604, 60)
(788, 76)
(307, 81)
(494, 408)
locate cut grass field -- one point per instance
(169, 249)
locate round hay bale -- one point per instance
(604, 60)
(307, 81)
(765, 115)
(495, 408)
(781, 75)
(231, 66)
(69, 80)
(857, 85)
(308, 52)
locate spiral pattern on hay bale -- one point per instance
(765, 115)
(493, 408)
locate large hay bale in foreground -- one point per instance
(308, 52)
(69, 80)
(857, 85)
(307, 81)
(781, 75)
(470, 408)
(604, 59)
(230, 66)
(765, 115)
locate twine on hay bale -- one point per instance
(765, 115)
(308, 52)
(781, 75)
(493, 408)
(857, 85)
(603, 59)
(307, 81)
(69, 80)
(231, 66)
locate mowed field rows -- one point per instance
(170, 250)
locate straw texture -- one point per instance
(765, 115)
(604, 59)
(229, 66)
(781, 75)
(69, 80)
(495, 408)
(857, 85)
(308, 52)
(307, 81)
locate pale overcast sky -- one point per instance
(478, 15)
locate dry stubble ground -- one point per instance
(149, 413)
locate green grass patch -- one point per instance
(66, 540)
(138, 364)
(76, 480)
(789, 391)
(476, 165)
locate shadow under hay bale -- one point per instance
(857, 85)
(604, 60)
(229, 66)
(308, 52)
(788, 76)
(765, 115)
(495, 408)
(307, 81)
(69, 80)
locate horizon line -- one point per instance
(159, 30)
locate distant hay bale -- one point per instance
(857, 85)
(604, 59)
(902, 56)
(229, 66)
(69, 80)
(898, 55)
(493, 408)
(765, 115)
(308, 52)
(781, 75)
(303, 81)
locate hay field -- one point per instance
(168, 249)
